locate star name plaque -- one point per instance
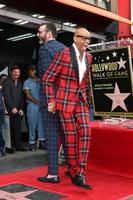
(112, 82)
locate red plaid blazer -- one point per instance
(63, 73)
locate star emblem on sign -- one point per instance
(117, 98)
(16, 196)
(114, 54)
(107, 57)
(122, 63)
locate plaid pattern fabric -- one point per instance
(51, 127)
(77, 136)
(71, 102)
(46, 54)
(62, 72)
(50, 121)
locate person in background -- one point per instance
(90, 94)
(70, 70)
(13, 97)
(90, 101)
(31, 89)
(2, 78)
(2, 111)
(50, 46)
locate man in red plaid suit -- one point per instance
(70, 72)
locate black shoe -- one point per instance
(42, 145)
(49, 180)
(10, 150)
(2, 151)
(21, 149)
(67, 173)
(80, 181)
(32, 147)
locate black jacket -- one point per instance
(1, 109)
(13, 94)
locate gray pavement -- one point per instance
(22, 160)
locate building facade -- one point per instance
(125, 9)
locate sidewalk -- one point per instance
(22, 160)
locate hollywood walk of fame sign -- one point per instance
(112, 82)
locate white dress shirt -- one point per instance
(81, 64)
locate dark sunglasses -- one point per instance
(84, 38)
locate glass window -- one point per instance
(106, 4)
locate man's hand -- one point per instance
(21, 112)
(51, 107)
(14, 110)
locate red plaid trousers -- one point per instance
(77, 135)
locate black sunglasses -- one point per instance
(84, 38)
